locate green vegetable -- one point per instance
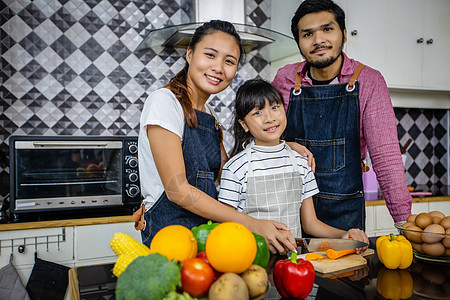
(177, 296)
(201, 234)
(149, 277)
(262, 252)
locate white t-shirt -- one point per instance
(161, 108)
(265, 161)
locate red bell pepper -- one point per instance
(294, 278)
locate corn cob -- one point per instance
(122, 243)
(122, 263)
(127, 249)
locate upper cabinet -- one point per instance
(406, 40)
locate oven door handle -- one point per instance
(68, 144)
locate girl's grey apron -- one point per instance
(275, 197)
(201, 153)
(325, 119)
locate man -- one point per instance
(337, 108)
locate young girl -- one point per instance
(264, 178)
(180, 151)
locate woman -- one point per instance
(180, 149)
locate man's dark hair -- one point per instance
(312, 6)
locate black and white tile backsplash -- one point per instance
(69, 67)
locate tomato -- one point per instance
(202, 255)
(196, 276)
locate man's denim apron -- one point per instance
(201, 153)
(325, 119)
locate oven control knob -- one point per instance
(133, 177)
(133, 149)
(133, 162)
(133, 190)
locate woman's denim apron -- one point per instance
(325, 119)
(201, 153)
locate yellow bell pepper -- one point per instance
(394, 284)
(394, 251)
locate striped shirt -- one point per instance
(265, 161)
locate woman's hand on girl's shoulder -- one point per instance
(303, 151)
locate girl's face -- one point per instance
(212, 65)
(266, 124)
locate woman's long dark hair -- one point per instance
(178, 84)
(253, 93)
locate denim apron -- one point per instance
(201, 153)
(325, 119)
(275, 197)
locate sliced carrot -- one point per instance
(314, 256)
(333, 254)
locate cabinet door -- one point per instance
(92, 241)
(436, 60)
(366, 23)
(404, 49)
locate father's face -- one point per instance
(320, 39)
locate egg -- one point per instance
(414, 234)
(447, 252)
(433, 233)
(423, 220)
(407, 224)
(445, 222)
(411, 218)
(436, 249)
(446, 240)
(437, 216)
(417, 247)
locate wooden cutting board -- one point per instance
(343, 263)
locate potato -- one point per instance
(228, 286)
(256, 279)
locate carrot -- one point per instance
(333, 254)
(314, 256)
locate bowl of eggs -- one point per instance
(429, 234)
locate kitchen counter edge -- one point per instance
(66, 223)
(414, 200)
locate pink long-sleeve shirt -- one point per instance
(378, 129)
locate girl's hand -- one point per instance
(278, 236)
(357, 234)
(303, 151)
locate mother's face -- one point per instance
(212, 64)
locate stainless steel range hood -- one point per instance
(265, 43)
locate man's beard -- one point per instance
(321, 64)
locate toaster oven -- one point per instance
(72, 173)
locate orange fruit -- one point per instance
(174, 242)
(230, 248)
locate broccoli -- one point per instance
(149, 277)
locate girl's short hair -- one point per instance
(253, 93)
(178, 84)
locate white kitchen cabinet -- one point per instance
(406, 40)
(92, 242)
(379, 221)
(418, 42)
(366, 23)
(70, 245)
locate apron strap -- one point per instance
(355, 75)
(292, 158)
(298, 80)
(350, 85)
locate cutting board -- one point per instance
(351, 261)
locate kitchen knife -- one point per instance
(321, 245)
